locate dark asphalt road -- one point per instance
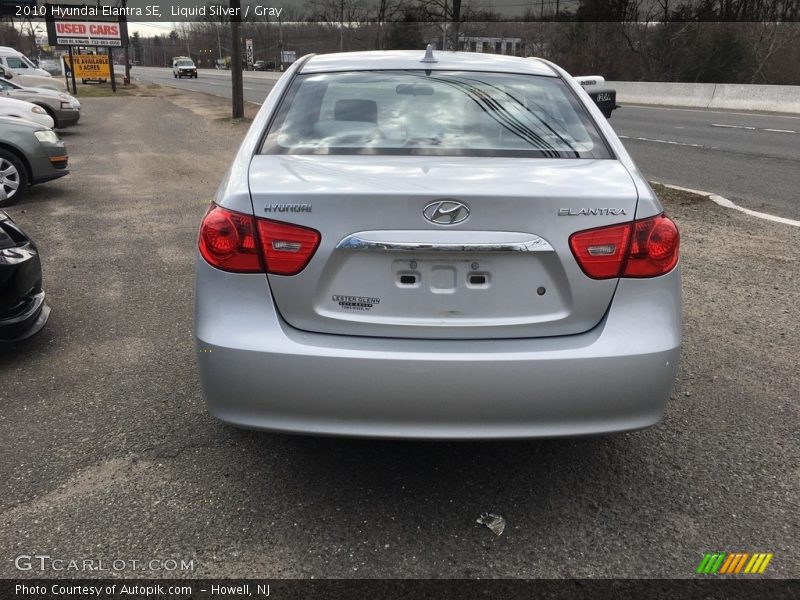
(752, 159)
(108, 452)
(256, 84)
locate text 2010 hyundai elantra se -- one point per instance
(435, 245)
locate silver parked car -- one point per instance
(64, 109)
(435, 245)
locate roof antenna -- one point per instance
(428, 58)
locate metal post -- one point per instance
(111, 70)
(72, 71)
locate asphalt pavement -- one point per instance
(750, 158)
(108, 451)
(256, 84)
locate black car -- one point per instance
(603, 96)
(262, 65)
(23, 311)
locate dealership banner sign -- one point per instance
(90, 66)
(73, 29)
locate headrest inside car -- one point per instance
(353, 109)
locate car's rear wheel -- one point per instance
(13, 178)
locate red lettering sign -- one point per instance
(104, 30)
(71, 28)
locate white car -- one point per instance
(9, 107)
(19, 63)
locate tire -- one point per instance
(12, 171)
(175, 76)
(52, 115)
(607, 114)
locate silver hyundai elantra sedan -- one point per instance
(420, 244)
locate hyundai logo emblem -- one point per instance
(446, 212)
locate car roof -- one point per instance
(411, 59)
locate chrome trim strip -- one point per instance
(533, 244)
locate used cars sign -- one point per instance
(69, 26)
(86, 33)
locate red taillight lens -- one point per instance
(227, 241)
(601, 252)
(654, 248)
(286, 248)
(645, 248)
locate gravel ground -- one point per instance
(107, 451)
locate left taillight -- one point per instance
(233, 241)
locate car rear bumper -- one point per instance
(258, 372)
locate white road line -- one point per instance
(733, 126)
(643, 139)
(717, 112)
(725, 203)
(753, 128)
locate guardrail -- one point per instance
(767, 98)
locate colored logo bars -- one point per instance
(721, 563)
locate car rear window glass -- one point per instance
(439, 113)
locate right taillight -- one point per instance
(654, 247)
(241, 243)
(643, 248)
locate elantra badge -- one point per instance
(446, 212)
(583, 212)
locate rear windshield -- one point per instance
(439, 113)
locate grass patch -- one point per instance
(103, 90)
(669, 196)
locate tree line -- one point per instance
(704, 41)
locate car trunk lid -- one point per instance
(400, 256)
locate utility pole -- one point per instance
(444, 27)
(219, 45)
(341, 26)
(126, 56)
(237, 89)
(279, 64)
